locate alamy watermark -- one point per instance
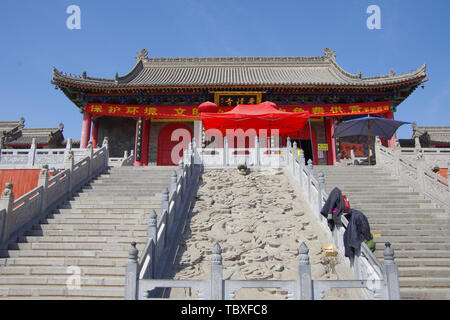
(74, 280)
(374, 20)
(74, 20)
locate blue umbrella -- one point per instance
(367, 126)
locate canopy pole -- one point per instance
(310, 138)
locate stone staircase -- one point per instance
(418, 231)
(88, 235)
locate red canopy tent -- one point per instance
(256, 116)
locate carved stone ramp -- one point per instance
(260, 220)
(86, 240)
(417, 229)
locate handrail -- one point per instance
(25, 211)
(415, 173)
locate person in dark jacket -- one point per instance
(357, 231)
(334, 201)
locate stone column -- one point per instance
(85, 130)
(329, 131)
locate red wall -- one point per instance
(23, 180)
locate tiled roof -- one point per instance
(243, 71)
(436, 134)
(42, 136)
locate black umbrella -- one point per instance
(382, 127)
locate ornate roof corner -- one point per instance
(61, 126)
(329, 54)
(116, 78)
(392, 73)
(360, 74)
(142, 55)
(84, 75)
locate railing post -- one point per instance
(32, 153)
(173, 191)
(152, 234)
(258, 156)
(105, 145)
(131, 274)
(68, 165)
(89, 153)
(43, 181)
(225, 151)
(304, 273)
(288, 149)
(301, 165)
(396, 152)
(310, 175)
(6, 202)
(391, 271)
(322, 188)
(294, 156)
(165, 200)
(216, 273)
(68, 147)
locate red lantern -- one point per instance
(208, 107)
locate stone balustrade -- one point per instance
(17, 216)
(411, 166)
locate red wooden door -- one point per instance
(166, 145)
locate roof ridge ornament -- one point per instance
(142, 55)
(392, 73)
(329, 54)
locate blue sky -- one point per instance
(34, 38)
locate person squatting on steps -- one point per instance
(358, 229)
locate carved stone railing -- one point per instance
(226, 156)
(216, 288)
(164, 231)
(35, 158)
(125, 161)
(415, 171)
(364, 264)
(17, 216)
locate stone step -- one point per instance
(65, 261)
(111, 198)
(68, 254)
(68, 239)
(109, 206)
(423, 262)
(103, 212)
(61, 281)
(411, 239)
(59, 270)
(424, 272)
(118, 187)
(412, 233)
(415, 282)
(412, 254)
(76, 246)
(400, 224)
(400, 210)
(359, 201)
(96, 221)
(425, 293)
(51, 292)
(108, 233)
(89, 227)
